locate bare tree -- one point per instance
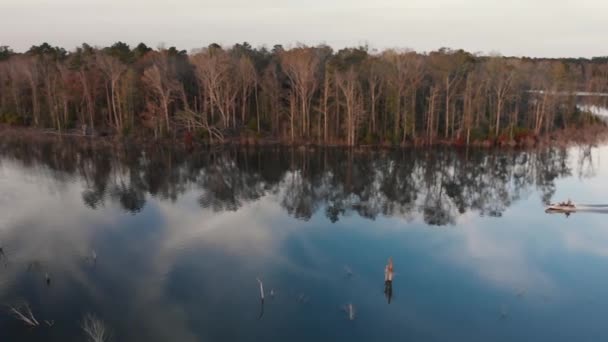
(86, 75)
(432, 101)
(16, 78)
(399, 81)
(271, 87)
(249, 81)
(348, 83)
(416, 69)
(160, 79)
(301, 67)
(113, 69)
(325, 102)
(214, 69)
(502, 78)
(30, 68)
(194, 120)
(375, 84)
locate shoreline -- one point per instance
(562, 138)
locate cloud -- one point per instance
(538, 28)
(501, 259)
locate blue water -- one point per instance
(163, 245)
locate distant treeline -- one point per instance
(299, 95)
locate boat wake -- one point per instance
(592, 209)
(605, 206)
(578, 208)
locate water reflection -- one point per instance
(159, 245)
(438, 184)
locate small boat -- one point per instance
(562, 207)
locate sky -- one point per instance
(538, 28)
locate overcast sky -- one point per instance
(552, 28)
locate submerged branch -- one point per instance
(261, 289)
(350, 311)
(95, 329)
(24, 313)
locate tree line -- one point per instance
(305, 94)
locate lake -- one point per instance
(164, 245)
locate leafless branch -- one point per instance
(23, 313)
(95, 329)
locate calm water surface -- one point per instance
(163, 245)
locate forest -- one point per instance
(298, 95)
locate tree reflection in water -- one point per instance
(436, 184)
